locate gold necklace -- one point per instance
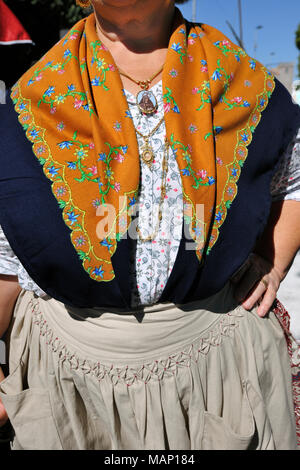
(145, 99)
(162, 194)
(147, 151)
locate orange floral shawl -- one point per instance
(73, 108)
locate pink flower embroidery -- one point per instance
(202, 174)
(73, 36)
(117, 126)
(193, 129)
(53, 110)
(195, 90)
(94, 170)
(226, 43)
(204, 69)
(119, 157)
(167, 107)
(78, 103)
(60, 126)
(237, 99)
(191, 41)
(39, 77)
(219, 161)
(91, 145)
(117, 187)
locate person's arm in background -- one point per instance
(274, 253)
(9, 291)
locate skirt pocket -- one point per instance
(219, 434)
(30, 414)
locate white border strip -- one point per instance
(21, 41)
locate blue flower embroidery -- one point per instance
(216, 75)
(176, 47)
(234, 172)
(176, 109)
(186, 172)
(105, 243)
(34, 133)
(132, 201)
(66, 144)
(71, 87)
(72, 217)
(96, 81)
(67, 53)
(102, 156)
(52, 170)
(219, 216)
(98, 271)
(72, 165)
(217, 130)
(262, 102)
(49, 91)
(252, 64)
(211, 180)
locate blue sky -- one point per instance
(279, 18)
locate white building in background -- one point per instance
(284, 71)
(2, 92)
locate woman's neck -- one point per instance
(137, 37)
(142, 27)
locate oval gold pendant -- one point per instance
(147, 155)
(146, 102)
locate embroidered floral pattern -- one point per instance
(81, 174)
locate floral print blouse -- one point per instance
(152, 261)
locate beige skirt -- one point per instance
(205, 375)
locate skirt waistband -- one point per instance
(160, 328)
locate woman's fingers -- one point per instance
(267, 301)
(258, 285)
(262, 295)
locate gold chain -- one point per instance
(144, 84)
(153, 130)
(147, 150)
(162, 194)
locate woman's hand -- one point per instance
(3, 414)
(257, 282)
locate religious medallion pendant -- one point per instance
(146, 102)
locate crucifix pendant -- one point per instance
(147, 154)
